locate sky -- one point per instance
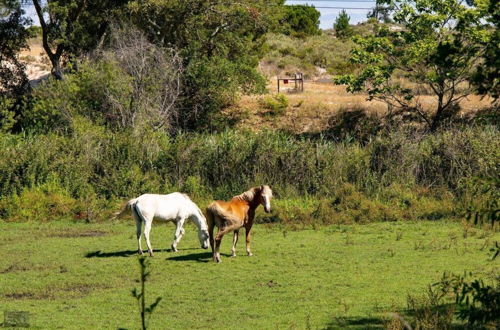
(327, 18)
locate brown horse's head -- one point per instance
(266, 194)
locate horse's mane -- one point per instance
(248, 195)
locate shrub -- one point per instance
(391, 177)
(276, 104)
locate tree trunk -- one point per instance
(56, 66)
(439, 112)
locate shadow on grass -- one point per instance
(200, 257)
(356, 323)
(126, 253)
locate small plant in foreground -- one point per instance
(141, 296)
(477, 302)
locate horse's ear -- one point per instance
(261, 188)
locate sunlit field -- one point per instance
(80, 276)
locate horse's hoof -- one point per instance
(233, 254)
(250, 254)
(151, 254)
(140, 253)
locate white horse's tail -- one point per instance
(126, 209)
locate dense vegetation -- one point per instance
(391, 177)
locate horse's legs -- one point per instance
(247, 234)
(227, 228)
(211, 225)
(138, 224)
(179, 231)
(235, 240)
(218, 239)
(147, 230)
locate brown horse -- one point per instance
(234, 214)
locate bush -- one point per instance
(392, 177)
(276, 104)
(134, 85)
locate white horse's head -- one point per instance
(266, 194)
(204, 238)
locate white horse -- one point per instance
(174, 207)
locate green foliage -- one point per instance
(486, 77)
(74, 28)
(54, 105)
(13, 79)
(429, 310)
(276, 104)
(136, 89)
(301, 21)
(341, 25)
(381, 13)
(220, 43)
(378, 180)
(438, 46)
(44, 203)
(477, 302)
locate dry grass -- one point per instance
(37, 62)
(308, 112)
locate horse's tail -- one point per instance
(215, 209)
(126, 209)
(137, 211)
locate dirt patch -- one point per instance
(269, 284)
(27, 295)
(76, 290)
(16, 268)
(310, 111)
(76, 234)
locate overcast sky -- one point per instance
(327, 14)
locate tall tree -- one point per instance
(220, 42)
(487, 75)
(381, 13)
(13, 38)
(439, 46)
(301, 20)
(72, 27)
(341, 26)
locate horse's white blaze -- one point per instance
(266, 197)
(174, 207)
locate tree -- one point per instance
(73, 27)
(381, 13)
(152, 75)
(341, 25)
(13, 38)
(487, 76)
(439, 46)
(220, 43)
(301, 20)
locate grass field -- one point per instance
(79, 276)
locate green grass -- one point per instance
(79, 276)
